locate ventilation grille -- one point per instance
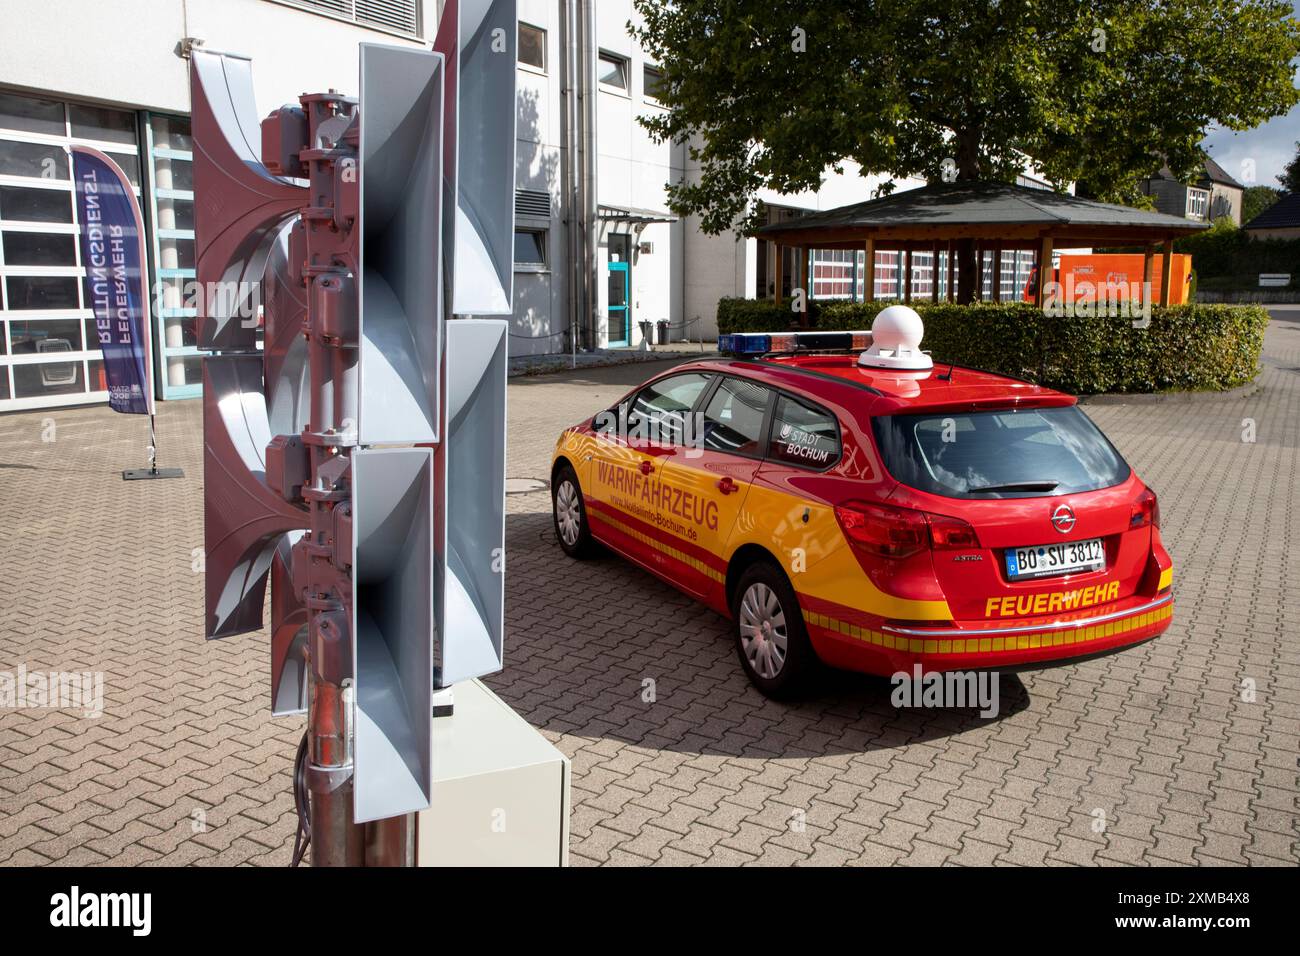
(532, 203)
(400, 16)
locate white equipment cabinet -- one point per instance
(500, 789)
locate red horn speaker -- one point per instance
(243, 517)
(239, 206)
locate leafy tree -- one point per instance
(769, 93)
(1255, 200)
(1290, 178)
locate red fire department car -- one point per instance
(870, 512)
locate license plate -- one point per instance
(1048, 560)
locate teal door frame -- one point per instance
(618, 271)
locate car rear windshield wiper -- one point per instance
(1046, 485)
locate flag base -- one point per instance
(137, 474)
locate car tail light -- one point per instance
(1146, 510)
(886, 531)
(882, 530)
(951, 534)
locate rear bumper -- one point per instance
(887, 649)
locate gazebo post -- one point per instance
(1044, 266)
(779, 272)
(804, 284)
(951, 286)
(997, 271)
(1148, 272)
(869, 272)
(1167, 273)
(907, 273)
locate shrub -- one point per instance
(1186, 347)
(755, 315)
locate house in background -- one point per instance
(1210, 196)
(1279, 221)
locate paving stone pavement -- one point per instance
(1162, 744)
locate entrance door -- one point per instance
(619, 313)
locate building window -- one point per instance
(612, 71)
(530, 247)
(652, 82)
(1198, 203)
(532, 46)
(49, 352)
(832, 273)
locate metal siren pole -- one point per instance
(322, 557)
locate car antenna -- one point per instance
(947, 376)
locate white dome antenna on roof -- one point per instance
(896, 337)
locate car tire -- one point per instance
(569, 513)
(771, 639)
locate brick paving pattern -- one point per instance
(186, 765)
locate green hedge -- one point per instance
(1185, 348)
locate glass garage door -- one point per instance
(49, 353)
(171, 190)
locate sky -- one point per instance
(1270, 146)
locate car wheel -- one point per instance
(771, 639)
(571, 528)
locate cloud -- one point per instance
(1270, 147)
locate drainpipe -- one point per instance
(571, 169)
(590, 224)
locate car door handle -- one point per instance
(727, 486)
(646, 467)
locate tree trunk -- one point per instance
(968, 287)
(968, 168)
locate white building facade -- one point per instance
(599, 258)
(110, 74)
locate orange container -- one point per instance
(1119, 275)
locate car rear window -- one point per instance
(999, 454)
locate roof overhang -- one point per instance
(632, 215)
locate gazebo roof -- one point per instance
(979, 210)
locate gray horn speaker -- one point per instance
(392, 629)
(471, 464)
(401, 276)
(479, 40)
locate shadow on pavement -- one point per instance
(602, 649)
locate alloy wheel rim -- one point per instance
(764, 637)
(567, 514)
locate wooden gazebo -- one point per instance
(995, 217)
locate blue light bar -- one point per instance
(761, 343)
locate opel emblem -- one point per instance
(1063, 518)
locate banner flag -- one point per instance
(116, 286)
